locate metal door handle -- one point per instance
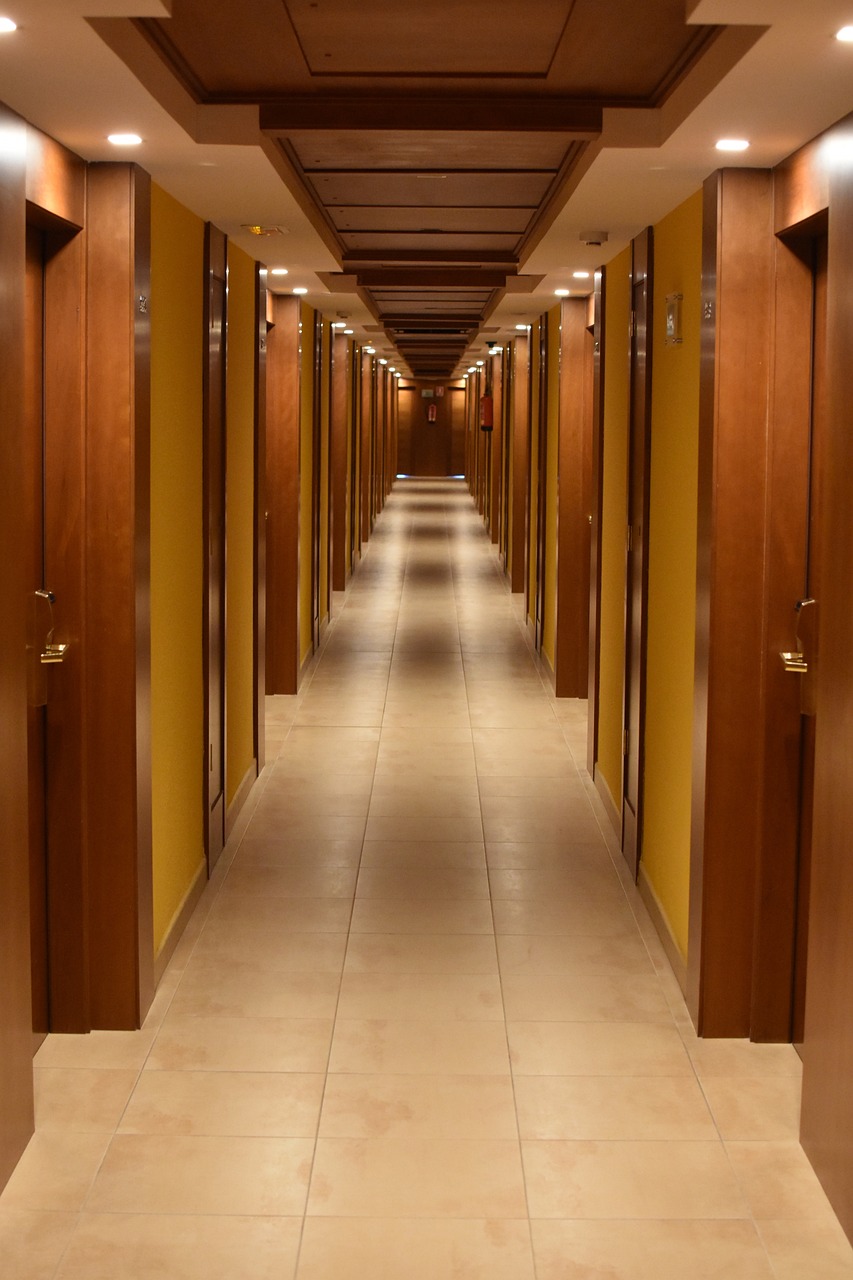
(795, 662)
(53, 653)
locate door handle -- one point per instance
(795, 662)
(53, 653)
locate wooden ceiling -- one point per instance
(433, 138)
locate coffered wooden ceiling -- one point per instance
(433, 138)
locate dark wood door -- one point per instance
(637, 547)
(40, 607)
(214, 534)
(807, 635)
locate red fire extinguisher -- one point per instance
(432, 412)
(487, 413)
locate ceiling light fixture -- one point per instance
(7, 26)
(124, 139)
(280, 271)
(522, 327)
(339, 324)
(300, 289)
(580, 275)
(371, 351)
(732, 144)
(561, 293)
(349, 332)
(845, 35)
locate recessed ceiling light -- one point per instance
(371, 351)
(339, 324)
(561, 293)
(300, 289)
(845, 35)
(522, 327)
(349, 332)
(124, 139)
(7, 25)
(732, 144)
(381, 361)
(580, 275)
(280, 271)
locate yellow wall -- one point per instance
(672, 569)
(549, 624)
(306, 482)
(614, 523)
(240, 521)
(177, 711)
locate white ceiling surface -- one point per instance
(795, 81)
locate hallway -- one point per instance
(419, 1025)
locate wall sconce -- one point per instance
(673, 319)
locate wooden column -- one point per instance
(338, 461)
(16, 1028)
(118, 596)
(260, 553)
(728, 734)
(282, 497)
(520, 482)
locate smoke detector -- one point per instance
(594, 237)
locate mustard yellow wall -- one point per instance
(240, 522)
(672, 569)
(533, 495)
(614, 523)
(549, 623)
(306, 483)
(177, 711)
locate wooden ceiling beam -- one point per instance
(483, 113)
(431, 278)
(357, 258)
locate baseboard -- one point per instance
(179, 922)
(232, 813)
(548, 671)
(614, 816)
(664, 932)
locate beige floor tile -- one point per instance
(236, 990)
(118, 1246)
(239, 1103)
(461, 855)
(32, 1243)
(581, 828)
(291, 881)
(745, 1109)
(430, 734)
(242, 1044)
(596, 1048)
(778, 1181)
(162, 1174)
(573, 957)
(423, 826)
(580, 881)
(307, 826)
(421, 915)
(531, 786)
(425, 1047)
(99, 1050)
(421, 953)
(605, 916)
(742, 1058)
(446, 1106)
(282, 851)
(437, 996)
(422, 882)
(819, 1251)
(656, 1108)
(81, 1100)
(422, 1249)
(246, 942)
(294, 915)
(593, 998)
(658, 1250)
(328, 792)
(56, 1172)
(417, 1178)
(509, 855)
(571, 803)
(630, 1180)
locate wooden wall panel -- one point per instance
(496, 470)
(366, 412)
(260, 553)
(827, 1115)
(338, 460)
(596, 496)
(16, 1081)
(575, 485)
(728, 741)
(117, 596)
(282, 497)
(520, 461)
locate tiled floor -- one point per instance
(419, 1026)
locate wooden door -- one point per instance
(637, 547)
(214, 538)
(40, 608)
(806, 633)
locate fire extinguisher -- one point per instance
(487, 413)
(432, 413)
